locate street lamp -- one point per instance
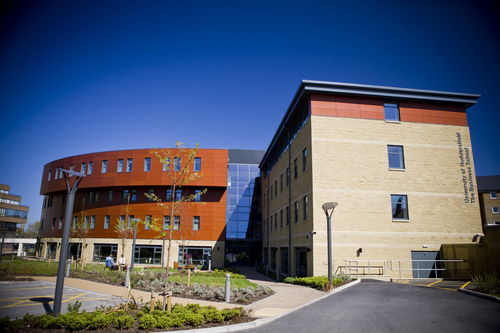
(326, 207)
(136, 221)
(65, 237)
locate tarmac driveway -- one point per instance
(374, 306)
(36, 297)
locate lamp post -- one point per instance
(327, 207)
(65, 237)
(136, 221)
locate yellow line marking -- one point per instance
(69, 299)
(434, 283)
(465, 284)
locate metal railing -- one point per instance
(378, 267)
(434, 268)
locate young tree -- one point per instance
(81, 230)
(176, 163)
(29, 231)
(123, 229)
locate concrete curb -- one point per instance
(262, 321)
(474, 293)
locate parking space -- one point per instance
(452, 285)
(37, 297)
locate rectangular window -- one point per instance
(133, 197)
(197, 164)
(61, 172)
(110, 195)
(54, 223)
(391, 111)
(399, 205)
(60, 222)
(295, 169)
(89, 196)
(102, 251)
(106, 222)
(168, 196)
(130, 161)
(125, 195)
(296, 211)
(166, 164)
(75, 219)
(304, 204)
(130, 222)
(56, 174)
(276, 221)
(281, 183)
(304, 160)
(271, 222)
(147, 164)
(197, 194)
(91, 164)
(177, 222)
(92, 222)
(287, 176)
(494, 209)
(96, 196)
(178, 195)
(151, 191)
(104, 167)
(275, 188)
(271, 192)
(196, 223)
(396, 157)
(177, 164)
(41, 225)
(493, 195)
(86, 223)
(84, 166)
(119, 167)
(147, 222)
(281, 218)
(71, 168)
(166, 222)
(50, 175)
(122, 220)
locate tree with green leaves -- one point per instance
(81, 230)
(29, 231)
(124, 229)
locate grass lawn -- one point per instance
(21, 267)
(213, 281)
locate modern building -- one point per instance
(398, 162)
(115, 180)
(13, 215)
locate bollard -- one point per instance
(189, 276)
(127, 277)
(228, 288)
(68, 267)
(153, 300)
(210, 265)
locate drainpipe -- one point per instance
(267, 217)
(289, 206)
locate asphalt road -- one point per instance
(391, 307)
(36, 298)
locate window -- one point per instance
(304, 203)
(110, 195)
(396, 157)
(89, 196)
(54, 223)
(281, 218)
(197, 164)
(177, 164)
(102, 251)
(41, 225)
(275, 188)
(96, 196)
(287, 176)
(75, 219)
(391, 111)
(130, 222)
(106, 222)
(168, 196)
(71, 168)
(92, 222)
(271, 222)
(493, 195)
(130, 161)
(91, 164)
(151, 192)
(50, 175)
(166, 164)
(119, 167)
(104, 167)
(84, 166)
(147, 224)
(276, 221)
(56, 174)
(296, 211)
(125, 195)
(60, 222)
(304, 160)
(287, 216)
(177, 222)
(271, 192)
(399, 205)
(494, 209)
(122, 220)
(61, 172)
(133, 197)
(166, 222)
(197, 194)
(281, 183)
(147, 164)
(196, 223)
(295, 171)
(86, 223)
(178, 195)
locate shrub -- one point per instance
(125, 322)
(487, 282)
(77, 322)
(165, 322)
(194, 319)
(101, 321)
(289, 279)
(75, 307)
(147, 322)
(228, 314)
(46, 321)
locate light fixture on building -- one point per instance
(476, 237)
(327, 207)
(425, 246)
(310, 233)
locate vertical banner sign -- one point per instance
(466, 168)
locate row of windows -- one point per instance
(10, 202)
(128, 166)
(90, 222)
(8, 212)
(274, 188)
(284, 215)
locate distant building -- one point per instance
(399, 164)
(12, 215)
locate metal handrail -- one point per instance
(384, 267)
(435, 269)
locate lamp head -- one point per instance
(329, 205)
(73, 173)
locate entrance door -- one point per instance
(301, 262)
(425, 269)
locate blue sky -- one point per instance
(83, 76)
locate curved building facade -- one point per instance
(116, 180)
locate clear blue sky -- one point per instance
(83, 76)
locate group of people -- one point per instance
(122, 263)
